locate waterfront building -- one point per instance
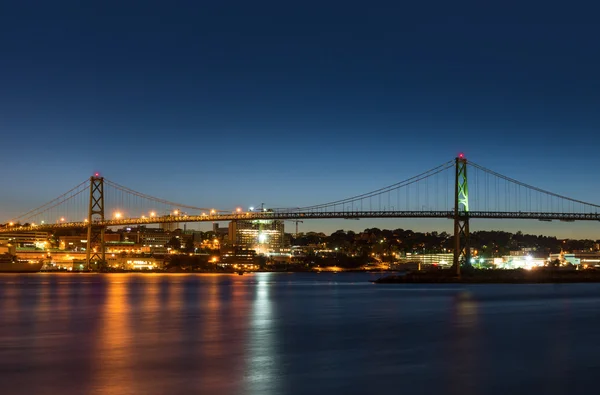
(79, 242)
(264, 236)
(73, 243)
(154, 240)
(444, 260)
(26, 239)
(237, 255)
(7, 248)
(573, 259)
(519, 262)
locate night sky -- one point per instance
(235, 103)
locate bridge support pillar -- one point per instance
(462, 250)
(95, 252)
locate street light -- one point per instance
(152, 214)
(117, 215)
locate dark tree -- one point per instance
(174, 243)
(189, 245)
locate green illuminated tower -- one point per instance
(462, 249)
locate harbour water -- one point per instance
(300, 333)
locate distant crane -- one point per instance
(296, 221)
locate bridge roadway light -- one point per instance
(62, 219)
(212, 211)
(176, 212)
(117, 215)
(152, 214)
(10, 224)
(239, 210)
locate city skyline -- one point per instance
(235, 105)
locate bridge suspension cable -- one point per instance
(385, 190)
(152, 198)
(520, 196)
(54, 203)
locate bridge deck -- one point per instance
(542, 216)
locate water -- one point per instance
(292, 334)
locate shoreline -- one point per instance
(181, 271)
(478, 276)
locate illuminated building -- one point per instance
(232, 255)
(519, 262)
(263, 236)
(79, 242)
(154, 240)
(428, 259)
(573, 259)
(25, 239)
(7, 248)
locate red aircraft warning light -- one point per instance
(461, 155)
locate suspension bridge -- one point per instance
(459, 190)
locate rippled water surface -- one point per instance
(293, 334)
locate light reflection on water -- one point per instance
(262, 366)
(112, 345)
(292, 334)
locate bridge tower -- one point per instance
(95, 233)
(462, 250)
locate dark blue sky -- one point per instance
(231, 103)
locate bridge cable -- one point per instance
(35, 210)
(380, 191)
(506, 178)
(148, 197)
